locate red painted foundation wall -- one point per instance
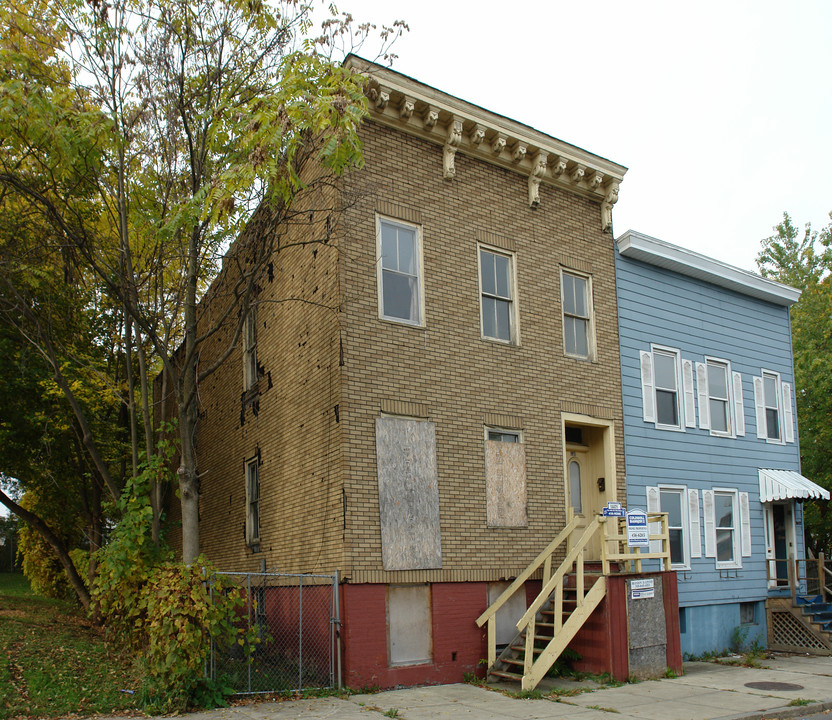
(458, 644)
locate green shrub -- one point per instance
(165, 612)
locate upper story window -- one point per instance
(250, 349)
(667, 389)
(771, 402)
(576, 291)
(400, 272)
(719, 398)
(773, 398)
(497, 301)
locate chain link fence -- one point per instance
(296, 618)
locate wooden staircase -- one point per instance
(511, 663)
(568, 597)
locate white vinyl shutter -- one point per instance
(702, 386)
(687, 381)
(759, 401)
(788, 416)
(745, 525)
(739, 405)
(710, 522)
(695, 527)
(654, 528)
(648, 396)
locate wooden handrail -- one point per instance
(520, 580)
(565, 567)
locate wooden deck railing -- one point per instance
(615, 549)
(810, 575)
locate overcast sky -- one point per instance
(722, 111)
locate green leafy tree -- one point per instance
(146, 132)
(804, 260)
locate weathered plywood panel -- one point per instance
(408, 494)
(409, 624)
(505, 484)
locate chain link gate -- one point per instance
(297, 619)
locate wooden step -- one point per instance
(506, 675)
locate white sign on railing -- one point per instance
(637, 533)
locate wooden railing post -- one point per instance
(791, 569)
(492, 641)
(821, 576)
(605, 563)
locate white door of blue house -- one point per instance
(780, 541)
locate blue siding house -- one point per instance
(710, 430)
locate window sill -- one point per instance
(669, 428)
(410, 663)
(498, 341)
(580, 358)
(402, 323)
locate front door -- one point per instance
(779, 542)
(587, 477)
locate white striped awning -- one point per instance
(787, 484)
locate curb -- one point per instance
(784, 712)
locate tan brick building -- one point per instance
(424, 399)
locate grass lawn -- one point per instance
(54, 662)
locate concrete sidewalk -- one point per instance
(707, 691)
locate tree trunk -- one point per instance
(188, 489)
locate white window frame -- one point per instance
(785, 414)
(252, 472)
(654, 505)
(420, 290)
(589, 318)
(705, 412)
(740, 528)
(514, 327)
(250, 349)
(488, 429)
(684, 388)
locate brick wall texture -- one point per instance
(330, 367)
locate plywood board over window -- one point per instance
(408, 494)
(505, 482)
(409, 627)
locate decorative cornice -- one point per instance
(662, 254)
(401, 102)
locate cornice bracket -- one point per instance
(610, 198)
(539, 162)
(477, 134)
(406, 108)
(451, 146)
(499, 143)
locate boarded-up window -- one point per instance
(408, 494)
(505, 480)
(409, 624)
